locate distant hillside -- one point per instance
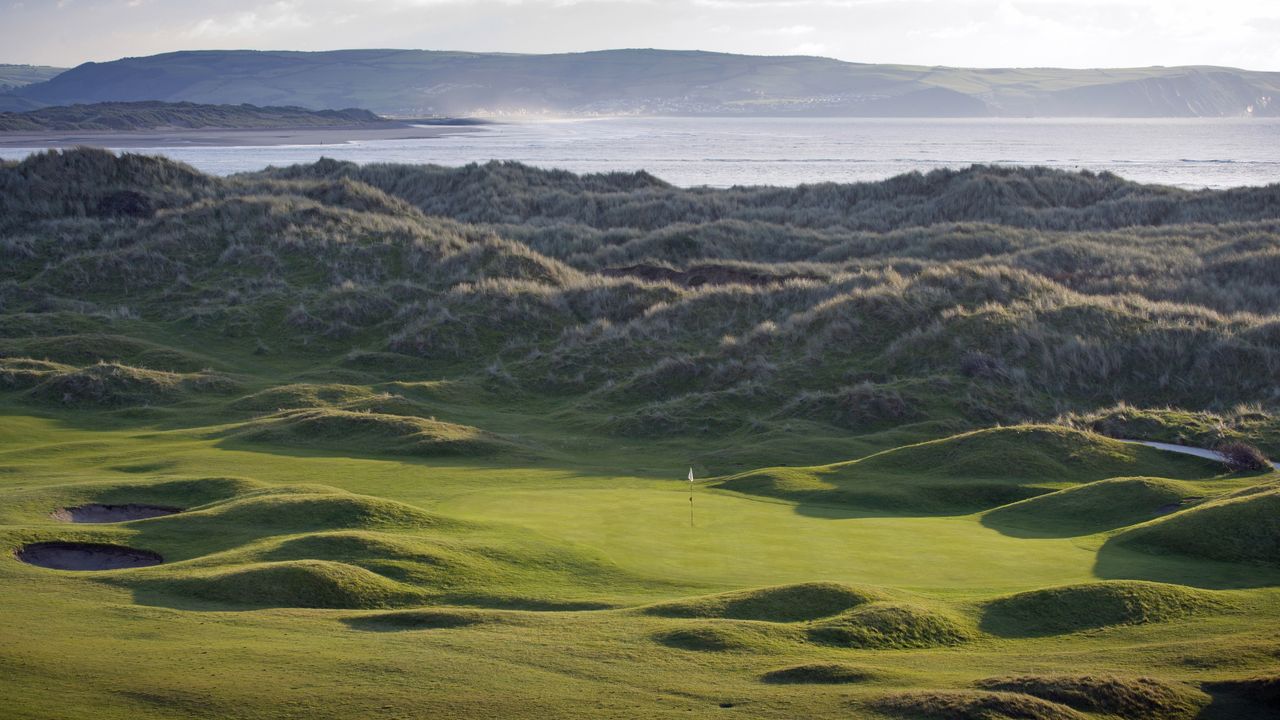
(152, 115)
(655, 82)
(15, 76)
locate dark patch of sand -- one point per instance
(85, 556)
(95, 513)
(214, 137)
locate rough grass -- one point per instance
(113, 385)
(823, 673)
(90, 348)
(1093, 507)
(783, 603)
(372, 433)
(1073, 608)
(295, 583)
(1242, 527)
(1139, 698)
(1179, 426)
(883, 625)
(301, 395)
(972, 705)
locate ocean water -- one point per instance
(721, 152)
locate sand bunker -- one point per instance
(85, 556)
(95, 513)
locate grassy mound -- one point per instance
(885, 625)
(308, 508)
(972, 705)
(371, 432)
(783, 603)
(25, 373)
(297, 583)
(193, 492)
(1244, 527)
(1127, 697)
(300, 395)
(1091, 508)
(969, 472)
(817, 674)
(419, 620)
(404, 558)
(1072, 608)
(111, 384)
(87, 349)
(722, 637)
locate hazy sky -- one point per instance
(1000, 33)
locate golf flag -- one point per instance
(690, 497)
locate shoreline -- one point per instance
(229, 137)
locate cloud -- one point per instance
(283, 15)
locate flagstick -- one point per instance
(690, 497)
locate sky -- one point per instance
(968, 33)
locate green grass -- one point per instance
(1073, 608)
(966, 473)
(1242, 527)
(1093, 507)
(785, 603)
(534, 588)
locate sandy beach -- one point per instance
(214, 137)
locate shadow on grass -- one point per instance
(1257, 697)
(1116, 562)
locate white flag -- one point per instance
(690, 474)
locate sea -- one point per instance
(723, 152)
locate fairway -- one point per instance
(545, 636)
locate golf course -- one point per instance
(339, 441)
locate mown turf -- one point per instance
(536, 590)
(1093, 507)
(1242, 527)
(965, 473)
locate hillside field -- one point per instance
(400, 442)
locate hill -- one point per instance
(655, 82)
(938, 302)
(152, 115)
(15, 76)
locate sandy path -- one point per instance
(1185, 450)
